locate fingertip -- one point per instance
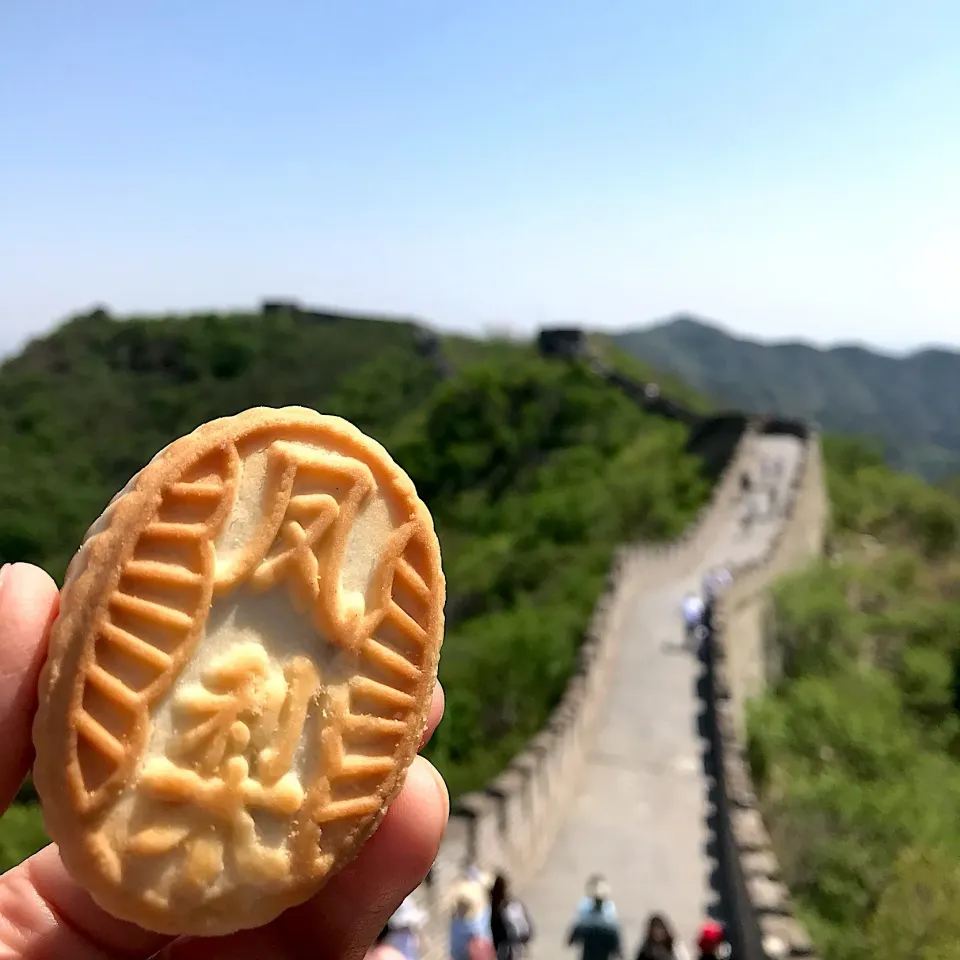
(28, 607)
(435, 714)
(410, 834)
(360, 899)
(424, 779)
(23, 585)
(441, 787)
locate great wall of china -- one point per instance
(534, 810)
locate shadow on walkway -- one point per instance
(705, 723)
(730, 905)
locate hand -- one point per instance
(44, 914)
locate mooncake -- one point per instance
(240, 673)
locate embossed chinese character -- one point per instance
(235, 754)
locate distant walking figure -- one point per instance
(746, 499)
(405, 926)
(596, 929)
(509, 922)
(712, 942)
(660, 943)
(470, 936)
(597, 888)
(693, 609)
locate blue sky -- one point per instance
(786, 168)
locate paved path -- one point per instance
(641, 814)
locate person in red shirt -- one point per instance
(711, 943)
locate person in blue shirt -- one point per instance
(470, 935)
(596, 928)
(597, 889)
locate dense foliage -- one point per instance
(857, 752)
(909, 403)
(534, 472)
(82, 410)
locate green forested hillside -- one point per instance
(857, 752)
(83, 409)
(534, 471)
(908, 403)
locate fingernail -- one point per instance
(4, 570)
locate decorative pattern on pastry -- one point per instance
(240, 673)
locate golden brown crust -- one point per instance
(271, 766)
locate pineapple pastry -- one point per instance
(240, 673)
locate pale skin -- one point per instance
(44, 915)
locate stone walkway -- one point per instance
(641, 814)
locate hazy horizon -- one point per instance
(504, 328)
(790, 170)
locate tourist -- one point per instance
(693, 609)
(597, 888)
(509, 922)
(596, 929)
(470, 934)
(405, 926)
(660, 942)
(712, 942)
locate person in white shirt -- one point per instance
(404, 928)
(693, 609)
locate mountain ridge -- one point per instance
(905, 403)
(681, 318)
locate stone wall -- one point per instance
(740, 664)
(510, 826)
(745, 606)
